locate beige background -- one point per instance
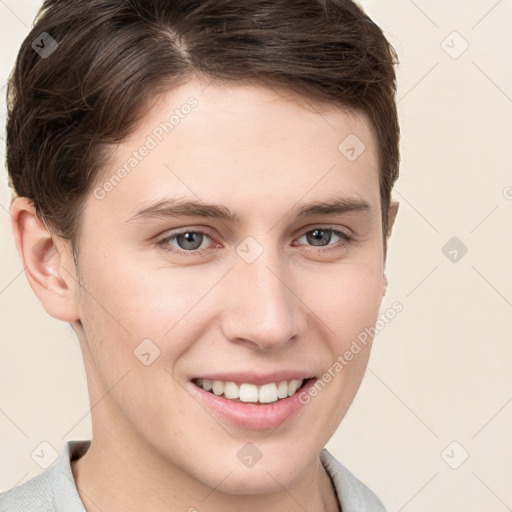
(441, 370)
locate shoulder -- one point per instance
(33, 495)
(52, 490)
(353, 494)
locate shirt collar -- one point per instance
(65, 492)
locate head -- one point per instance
(260, 109)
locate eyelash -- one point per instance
(163, 243)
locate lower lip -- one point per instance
(251, 415)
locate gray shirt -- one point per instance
(54, 489)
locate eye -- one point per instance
(189, 242)
(323, 234)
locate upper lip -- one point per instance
(259, 379)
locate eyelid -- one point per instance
(349, 233)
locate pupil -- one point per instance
(188, 239)
(314, 238)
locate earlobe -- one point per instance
(49, 269)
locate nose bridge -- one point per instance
(262, 308)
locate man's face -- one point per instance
(271, 291)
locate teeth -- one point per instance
(282, 389)
(248, 392)
(231, 390)
(218, 387)
(268, 393)
(292, 387)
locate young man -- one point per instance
(203, 193)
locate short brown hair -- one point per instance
(64, 110)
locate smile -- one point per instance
(254, 406)
(247, 392)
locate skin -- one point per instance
(260, 152)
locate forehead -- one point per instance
(238, 144)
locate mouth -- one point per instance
(265, 403)
(246, 392)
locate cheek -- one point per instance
(346, 296)
(125, 321)
(141, 302)
(133, 316)
(347, 301)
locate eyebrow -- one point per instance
(171, 208)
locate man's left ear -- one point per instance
(393, 210)
(385, 285)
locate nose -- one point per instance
(261, 308)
